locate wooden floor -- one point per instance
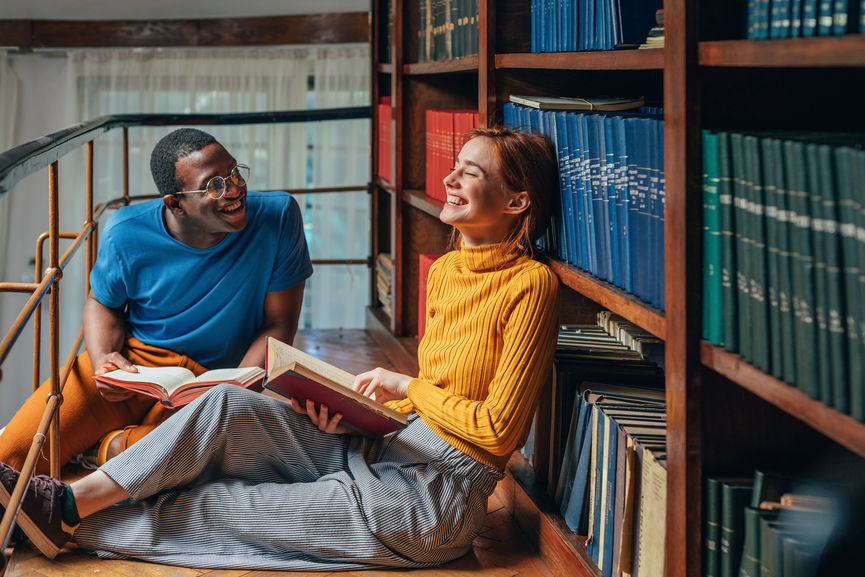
(500, 550)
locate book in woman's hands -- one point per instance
(177, 386)
(293, 373)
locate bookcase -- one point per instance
(724, 416)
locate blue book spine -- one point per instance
(586, 178)
(534, 26)
(795, 18)
(862, 17)
(632, 144)
(574, 508)
(561, 130)
(654, 210)
(751, 20)
(589, 24)
(577, 188)
(644, 217)
(824, 17)
(762, 19)
(612, 199)
(610, 496)
(624, 203)
(509, 114)
(596, 163)
(661, 217)
(839, 18)
(809, 17)
(565, 25)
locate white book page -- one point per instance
(223, 375)
(167, 377)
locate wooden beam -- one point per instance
(335, 28)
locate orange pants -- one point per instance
(85, 417)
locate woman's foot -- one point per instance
(41, 514)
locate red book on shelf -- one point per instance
(426, 261)
(385, 115)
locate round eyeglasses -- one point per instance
(217, 185)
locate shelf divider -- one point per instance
(815, 52)
(464, 64)
(841, 428)
(613, 298)
(419, 200)
(652, 59)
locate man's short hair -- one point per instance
(174, 146)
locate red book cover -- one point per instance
(426, 261)
(429, 152)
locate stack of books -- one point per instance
(444, 139)
(793, 18)
(636, 338)
(578, 25)
(447, 29)
(655, 38)
(769, 524)
(385, 146)
(383, 275)
(784, 251)
(611, 170)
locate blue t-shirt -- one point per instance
(207, 304)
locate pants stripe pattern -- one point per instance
(239, 480)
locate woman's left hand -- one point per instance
(321, 418)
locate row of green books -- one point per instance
(784, 258)
(793, 18)
(447, 29)
(768, 525)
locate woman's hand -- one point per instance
(111, 362)
(320, 419)
(385, 385)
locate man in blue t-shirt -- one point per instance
(198, 278)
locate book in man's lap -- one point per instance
(177, 386)
(295, 374)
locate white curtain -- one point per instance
(339, 223)
(213, 81)
(8, 114)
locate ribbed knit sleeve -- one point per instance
(483, 366)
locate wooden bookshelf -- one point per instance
(612, 297)
(816, 52)
(464, 64)
(608, 60)
(384, 185)
(419, 199)
(699, 77)
(841, 428)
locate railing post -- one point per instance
(91, 240)
(126, 165)
(54, 332)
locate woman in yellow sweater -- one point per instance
(239, 480)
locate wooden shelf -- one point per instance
(561, 549)
(464, 64)
(605, 60)
(385, 68)
(613, 298)
(839, 427)
(822, 52)
(419, 200)
(384, 185)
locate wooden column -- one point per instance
(486, 62)
(682, 149)
(397, 323)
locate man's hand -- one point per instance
(320, 419)
(386, 385)
(111, 362)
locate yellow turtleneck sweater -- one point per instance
(488, 348)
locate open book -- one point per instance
(293, 373)
(177, 386)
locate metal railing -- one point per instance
(24, 160)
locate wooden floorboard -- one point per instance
(500, 550)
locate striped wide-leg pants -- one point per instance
(239, 480)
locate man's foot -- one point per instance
(41, 516)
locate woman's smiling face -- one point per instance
(478, 201)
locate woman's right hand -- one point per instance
(386, 385)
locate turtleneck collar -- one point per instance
(488, 257)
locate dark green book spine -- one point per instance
(857, 159)
(802, 262)
(850, 263)
(759, 319)
(750, 564)
(713, 312)
(834, 281)
(772, 278)
(743, 248)
(785, 275)
(728, 244)
(734, 497)
(821, 304)
(712, 528)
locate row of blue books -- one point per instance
(611, 169)
(784, 255)
(793, 18)
(578, 25)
